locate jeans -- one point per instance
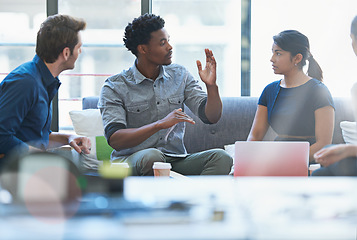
(345, 167)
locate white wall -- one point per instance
(327, 25)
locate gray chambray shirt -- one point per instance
(133, 100)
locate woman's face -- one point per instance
(281, 60)
(354, 43)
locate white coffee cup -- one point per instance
(161, 169)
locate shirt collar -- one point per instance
(47, 78)
(138, 77)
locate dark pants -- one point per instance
(345, 167)
(210, 162)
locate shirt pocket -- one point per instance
(176, 102)
(138, 114)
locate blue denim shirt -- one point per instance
(132, 100)
(25, 106)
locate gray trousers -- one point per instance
(210, 162)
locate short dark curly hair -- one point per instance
(139, 31)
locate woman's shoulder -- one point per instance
(269, 93)
(272, 86)
(320, 94)
(317, 85)
(275, 83)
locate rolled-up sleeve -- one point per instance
(194, 95)
(112, 109)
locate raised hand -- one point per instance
(208, 75)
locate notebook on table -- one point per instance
(271, 158)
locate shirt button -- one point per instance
(154, 85)
(161, 138)
(158, 103)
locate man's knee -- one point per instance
(224, 158)
(151, 154)
(222, 162)
(145, 160)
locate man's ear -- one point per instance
(142, 49)
(66, 52)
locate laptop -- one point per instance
(271, 158)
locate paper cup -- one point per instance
(116, 170)
(161, 169)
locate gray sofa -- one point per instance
(236, 121)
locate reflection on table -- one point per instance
(203, 208)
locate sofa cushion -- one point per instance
(89, 123)
(100, 148)
(230, 149)
(349, 132)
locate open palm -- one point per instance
(208, 75)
